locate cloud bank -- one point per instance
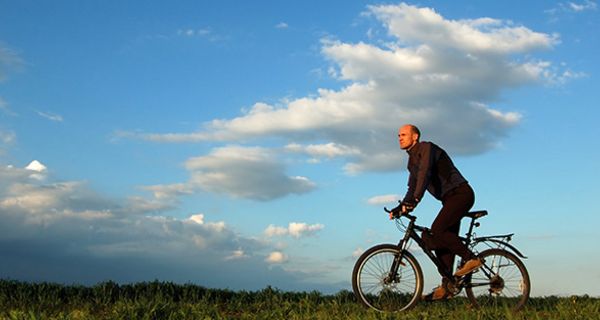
(65, 232)
(443, 75)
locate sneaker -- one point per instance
(469, 267)
(438, 293)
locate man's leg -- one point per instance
(446, 226)
(445, 229)
(445, 255)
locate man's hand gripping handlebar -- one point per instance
(403, 208)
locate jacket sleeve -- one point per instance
(409, 197)
(423, 173)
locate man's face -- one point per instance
(406, 137)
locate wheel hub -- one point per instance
(390, 280)
(496, 284)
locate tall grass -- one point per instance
(164, 300)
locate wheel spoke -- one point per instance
(503, 282)
(377, 288)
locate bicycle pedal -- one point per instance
(452, 288)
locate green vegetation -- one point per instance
(163, 300)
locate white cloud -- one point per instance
(579, 7)
(39, 170)
(143, 205)
(214, 226)
(197, 218)
(237, 254)
(50, 116)
(4, 108)
(194, 32)
(276, 257)
(281, 25)
(9, 59)
(36, 166)
(569, 8)
(217, 226)
(485, 35)
(41, 204)
(203, 33)
(383, 199)
(356, 253)
(272, 231)
(435, 70)
(7, 139)
(329, 150)
(168, 191)
(294, 229)
(245, 172)
(242, 172)
(298, 230)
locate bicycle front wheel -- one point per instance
(503, 281)
(377, 286)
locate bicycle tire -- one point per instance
(503, 281)
(369, 279)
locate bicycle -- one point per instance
(388, 277)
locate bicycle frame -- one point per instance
(411, 234)
(497, 241)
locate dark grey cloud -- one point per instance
(243, 172)
(66, 232)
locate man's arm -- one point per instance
(409, 196)
(423, 173)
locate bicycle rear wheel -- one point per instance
(376, 287)
(503, 281)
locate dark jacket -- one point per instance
(430, 168)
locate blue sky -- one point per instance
(240, 145)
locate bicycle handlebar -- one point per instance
(408, 215)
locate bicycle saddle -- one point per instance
(477, 214)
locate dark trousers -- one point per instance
(445, 228)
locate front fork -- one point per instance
(393, 275)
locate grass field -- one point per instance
(163, 300)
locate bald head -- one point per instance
(408, 136)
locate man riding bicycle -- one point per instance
(431, 169)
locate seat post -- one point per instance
(469, 233)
